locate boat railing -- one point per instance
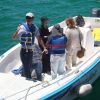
(66, 75)
(45, 84)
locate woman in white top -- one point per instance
(72, 33)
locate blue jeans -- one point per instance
(38, 70)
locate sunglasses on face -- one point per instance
(27, 17)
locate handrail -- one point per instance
(62, 77)
(66, 75)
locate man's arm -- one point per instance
(40, 41)
(16, 33)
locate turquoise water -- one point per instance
(12, 13)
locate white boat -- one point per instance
(87, 71)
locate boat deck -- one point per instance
(11, 84)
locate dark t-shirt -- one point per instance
(44, 33)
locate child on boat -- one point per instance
(57, 44)
(37, 61)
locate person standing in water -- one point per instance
(27, 33)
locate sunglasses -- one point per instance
(27, 17)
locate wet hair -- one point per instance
(80, 21)
(70, 23)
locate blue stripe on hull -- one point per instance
(63, 90)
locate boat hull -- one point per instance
(90, 76)
(66, 87)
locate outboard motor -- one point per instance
(96, 12)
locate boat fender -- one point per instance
(84, 89)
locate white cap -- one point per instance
(30, 14)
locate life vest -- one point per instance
(27, 39)
(57, 44)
